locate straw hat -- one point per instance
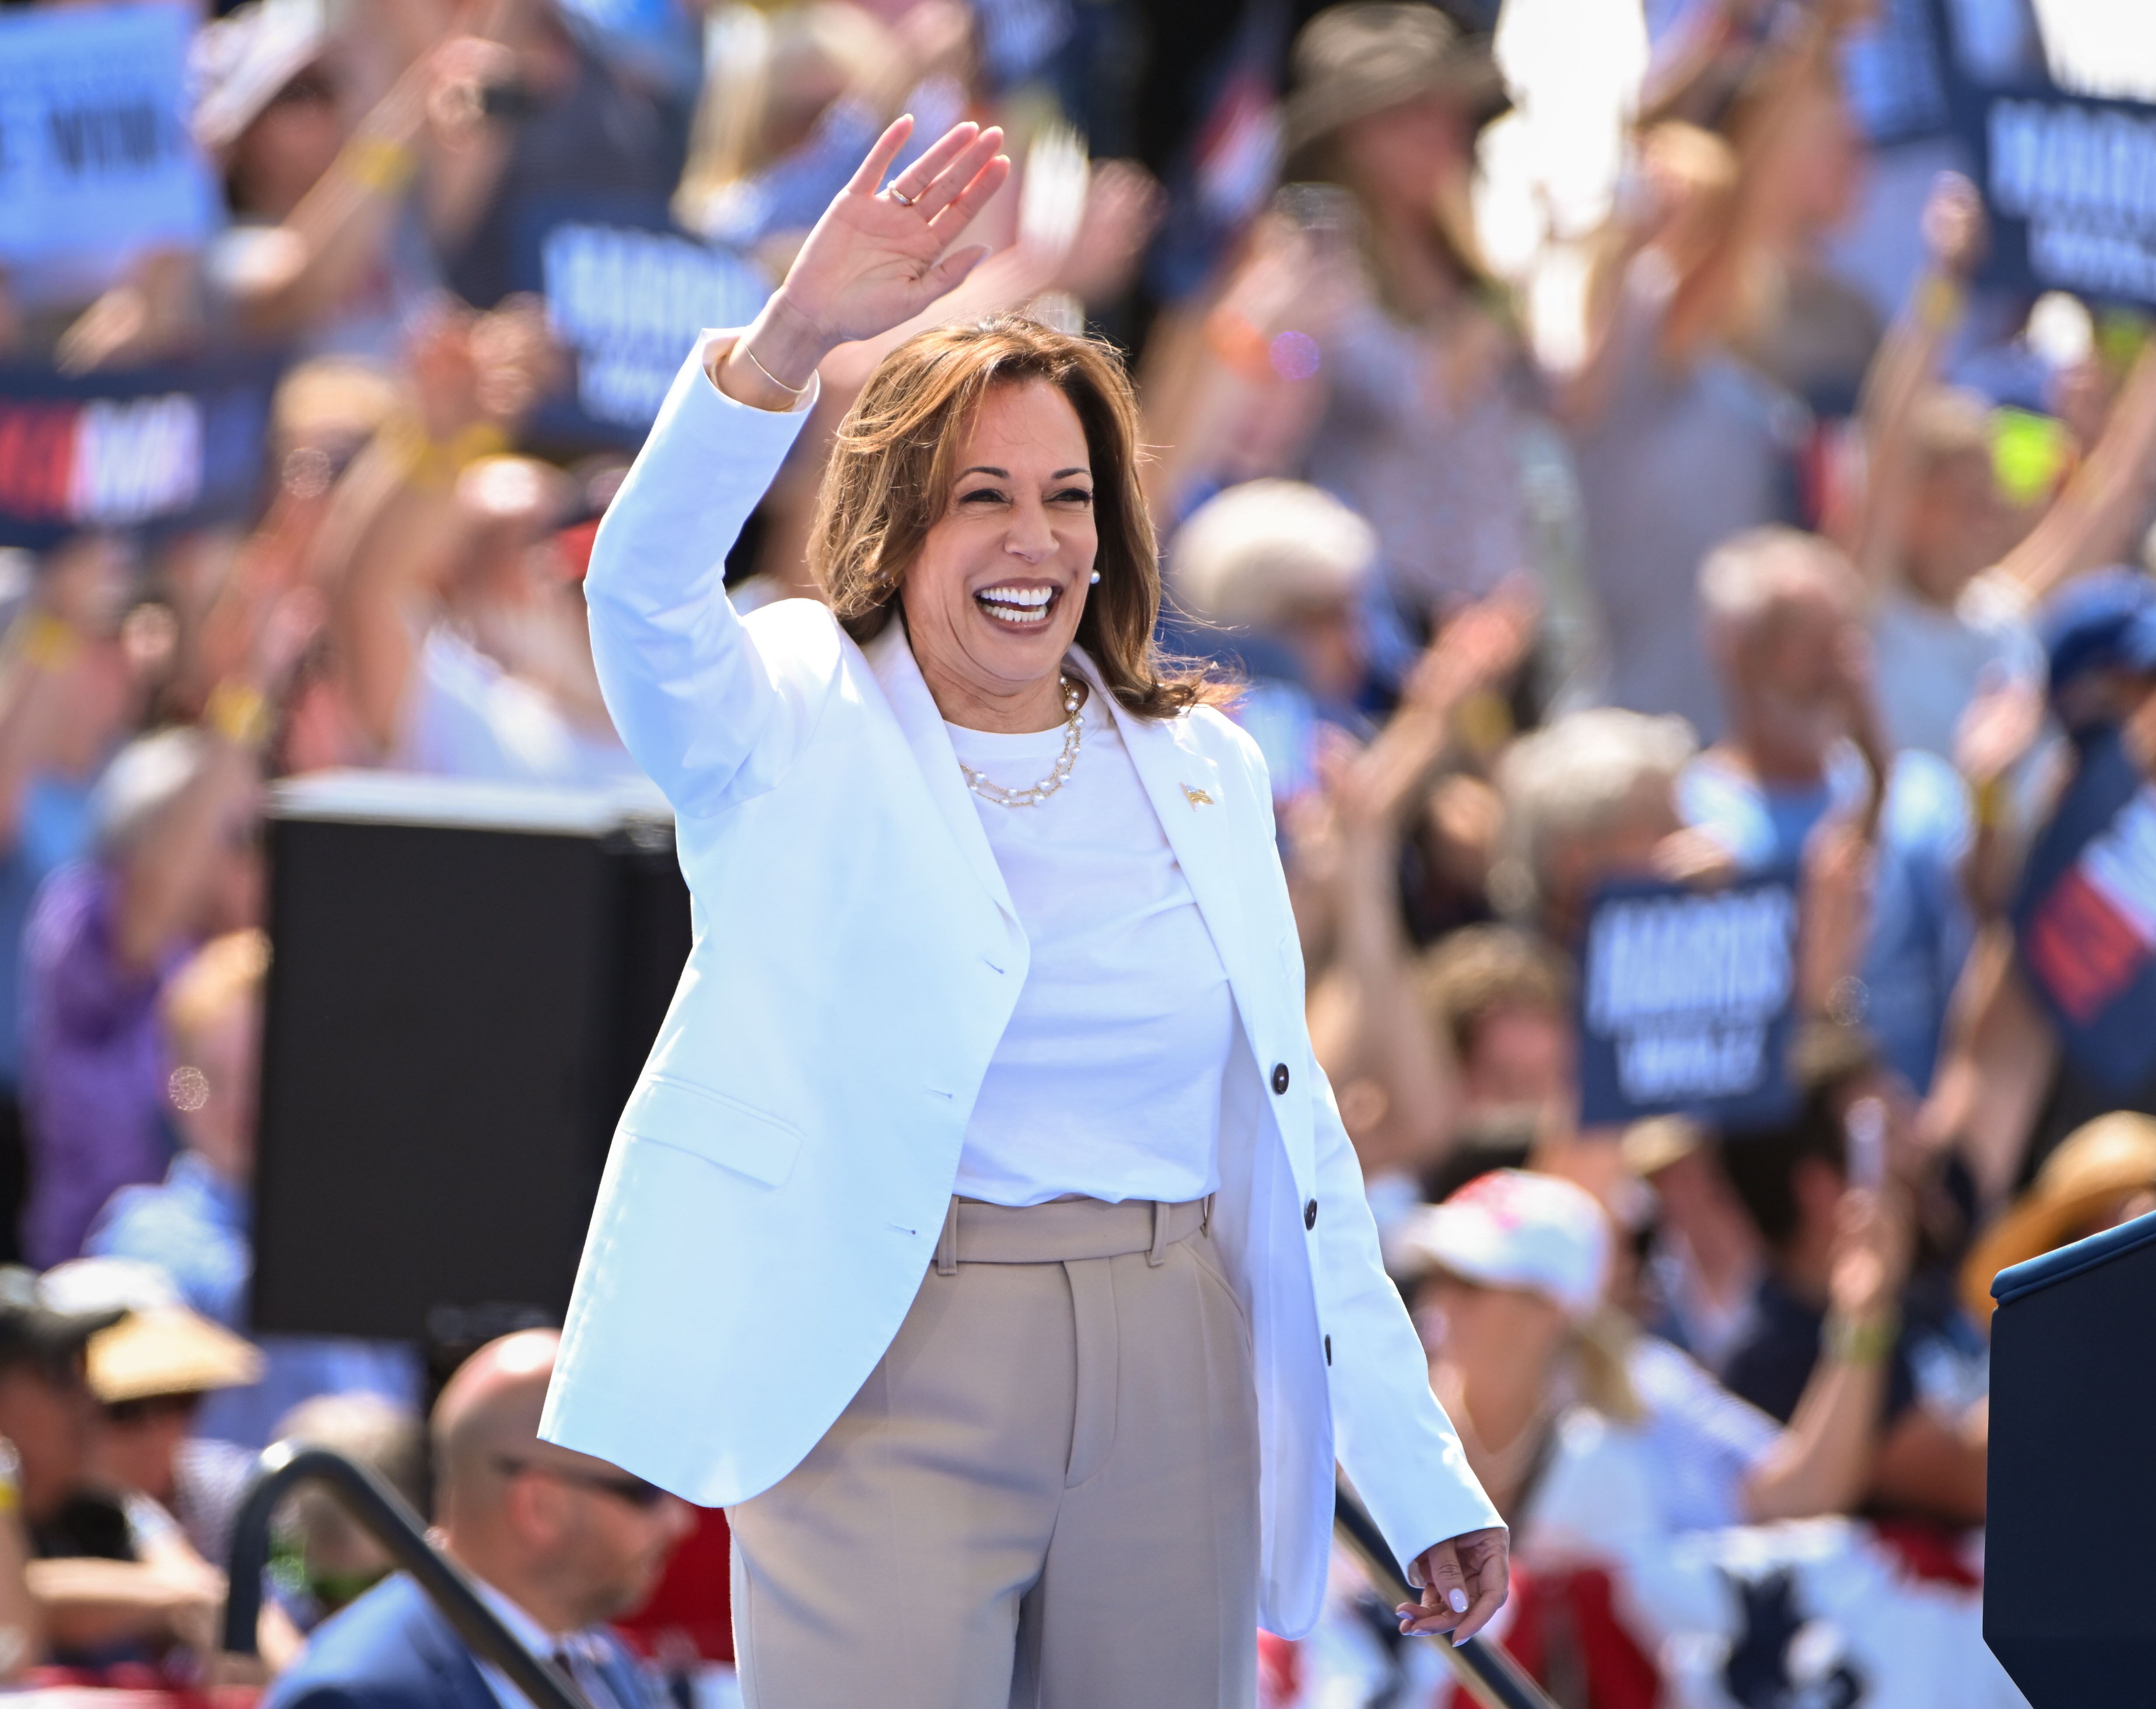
(160, 1347)
(2095, 1166)
(1350, 61)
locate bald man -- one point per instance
(559, 1543)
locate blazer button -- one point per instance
(1280, 1078)
(1309, 1214)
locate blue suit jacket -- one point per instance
(392, 1650)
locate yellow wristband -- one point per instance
(48, 643)
(1938, 302)
(377, 163)
(434, 464)
(238, 712)
(1482, 722)
(1990, 804)
(1849, 1343)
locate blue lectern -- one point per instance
(2070, 1542)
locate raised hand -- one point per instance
(875, 260)
(1954, 227)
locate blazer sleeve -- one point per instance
(1392, 1438)
(695, 700)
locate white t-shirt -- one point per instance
(1930, 663)
(1107, 1083)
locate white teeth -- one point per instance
(1019, 607)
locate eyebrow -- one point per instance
(1005, 474)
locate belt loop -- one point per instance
(946, 1244)
(1205, 1216)
(1157, 1254)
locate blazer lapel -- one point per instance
(892, 659)
(1183, 785)
(464, 1686)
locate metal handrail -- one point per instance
(381, 1512)
(1485, 1667)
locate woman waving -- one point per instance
(981, 1233)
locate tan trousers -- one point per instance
(1044, 1496)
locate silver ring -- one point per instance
(900, 196)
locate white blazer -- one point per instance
(779, 1179)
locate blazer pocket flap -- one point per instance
(713, 1126)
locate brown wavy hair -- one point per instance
(890, 475)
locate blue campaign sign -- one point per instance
(2085, 920)
(139, 448)
(1687, 1002)
(2055, 112)
(2071, 185)
(95, 159)
(627, 293)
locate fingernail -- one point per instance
(1457, 1642)
(1458, 1599)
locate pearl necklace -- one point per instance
(1074, 735)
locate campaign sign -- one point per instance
(94, 155)
(2085, 921)
(627, 294)
(1687, 999)
(2070, 184)
(144, 447)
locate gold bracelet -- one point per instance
(377, 163)
(48, 643)
(239, 712)
(1848, 1343)
(799, 391)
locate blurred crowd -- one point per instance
(1735, 527)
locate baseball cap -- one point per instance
(1514, 1228)
(2105, 620)
(239, 62)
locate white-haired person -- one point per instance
(1588, 798)
(1278, 568)
(981, 1234)
(1803, 767)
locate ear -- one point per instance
(532, 1509)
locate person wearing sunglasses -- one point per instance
(559, 1543)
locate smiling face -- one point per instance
(993, 597)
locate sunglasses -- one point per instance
(620, 1485)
